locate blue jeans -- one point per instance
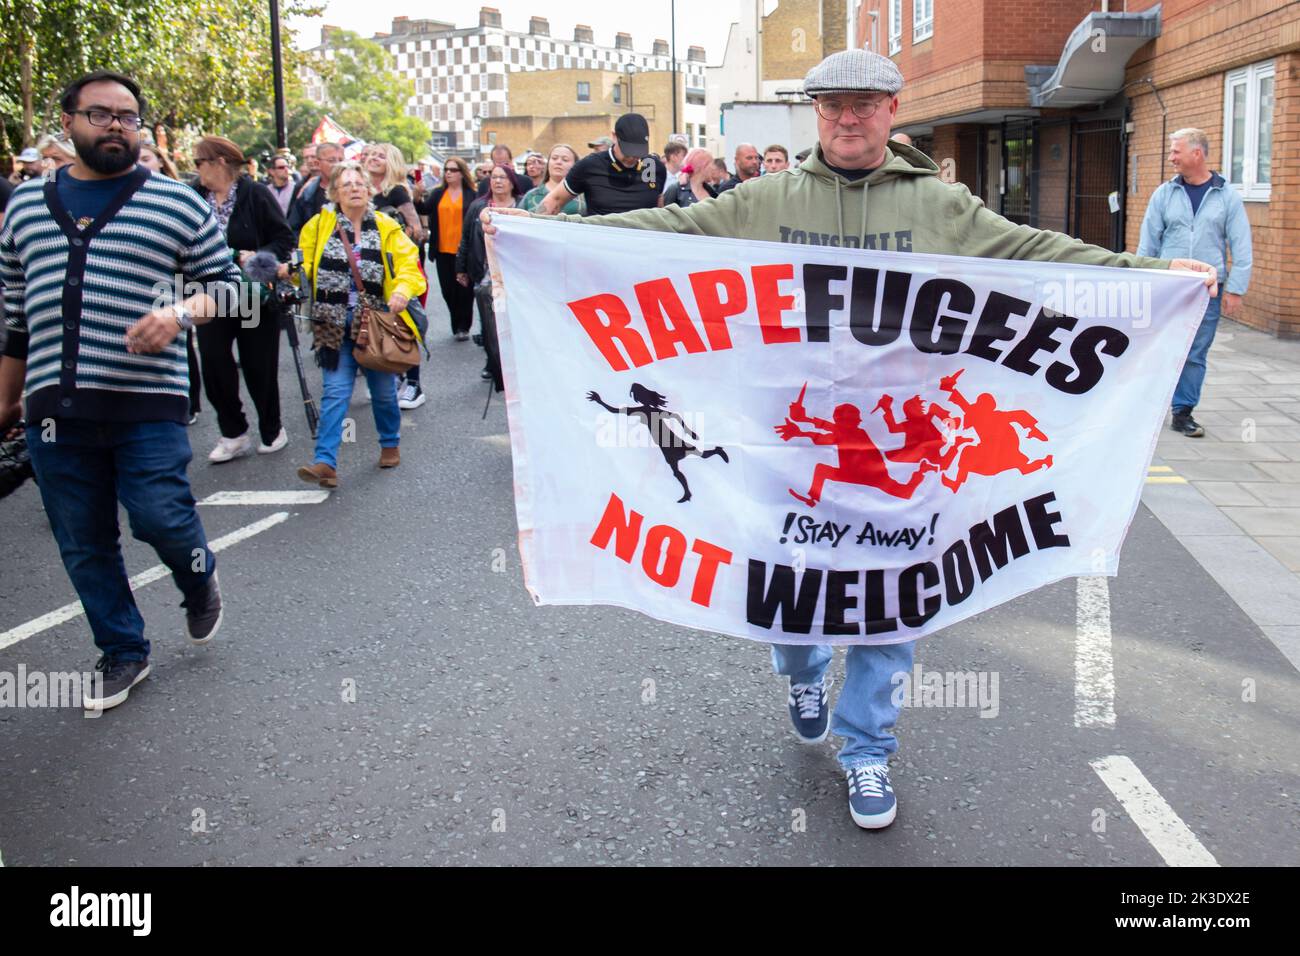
(338, 393)
(83, 473)
(865, 711)
(1188, 391)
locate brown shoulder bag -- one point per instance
(384, 342)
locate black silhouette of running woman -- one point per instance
(650, 410)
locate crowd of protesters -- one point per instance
(365, 229)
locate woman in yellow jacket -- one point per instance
(389, 265)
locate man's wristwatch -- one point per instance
(184, 317)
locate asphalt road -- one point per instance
(485, 730)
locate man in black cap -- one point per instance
(626, 177)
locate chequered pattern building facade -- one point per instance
(462, 75)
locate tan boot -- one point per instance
(389, 458)
(319, 474)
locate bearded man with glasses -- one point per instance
(92, 261)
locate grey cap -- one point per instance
(29, 155)
(854, 71)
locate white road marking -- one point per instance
(74, 610)
(1094, 668)
(501, 441)
(266, 497)
(1162, 827)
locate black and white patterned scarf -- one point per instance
(336, 291)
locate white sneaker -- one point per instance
(228, 448)
(411, 396)
(281, 440)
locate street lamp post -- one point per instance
(277, 72)
(673, 41)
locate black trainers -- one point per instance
(809, 711)
(113, 682)
(1185, 424)
(203, 612)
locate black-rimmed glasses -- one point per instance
(103, 118)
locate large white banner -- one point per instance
(809, 444)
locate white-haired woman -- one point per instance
(56, 152)
(388, 263)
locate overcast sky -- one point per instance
(699, 22)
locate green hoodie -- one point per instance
(910, 210)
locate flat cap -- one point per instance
(853, 71)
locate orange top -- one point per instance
(450, 221)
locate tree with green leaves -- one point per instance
(196, 60)
(366, 95)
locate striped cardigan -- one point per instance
(70, 296)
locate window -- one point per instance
(922, 20)
(1248, 130)
(895, 26)
(584, 92)
(618, 93)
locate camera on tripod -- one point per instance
(294, 290)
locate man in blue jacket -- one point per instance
(1197, 215)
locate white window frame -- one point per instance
(895, 26)
(1249, 76)
(579, 97)
(922, 20)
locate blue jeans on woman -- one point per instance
(84, 470)
(865, 710)
(337, 395)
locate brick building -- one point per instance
(575, 106)
(1057, 114)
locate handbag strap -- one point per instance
(352, 262)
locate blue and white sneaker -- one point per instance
(871, 798)
(809, 711)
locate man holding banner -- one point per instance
(972, 443)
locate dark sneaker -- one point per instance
(808, 711)
(1185, 424)
(871, 798)
(203, 612)
(114, 680)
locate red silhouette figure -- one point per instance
(998, 448)
(860, 461)
(924, 440)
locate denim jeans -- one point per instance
(864, 712)
(338, 393)
(1188, 391)
(83, 473)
